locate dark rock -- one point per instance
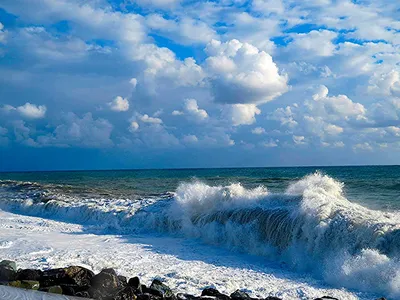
(74, 275)
(214, 293)
(158, 288)
(135, 283)
(273, 298)
(105, 284)
(9, 264)
(326, 297)
(25, 284)
(381, 298)
(29, 274)
(56, 289)
(83, 294)
(123, 280)
(128, 293)
(73, 290)
(238, 294)
(7, 273)
(147, 296)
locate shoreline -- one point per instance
(81, 282)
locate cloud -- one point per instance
(241, 73)
(2, 34)
(241, 114)
(184, 31)
(258, 130)
(134, 126)
(32, 111)
(83, 132)
(299, 139)
(270, 144)
(146, 119)
(193, 109)
(316, 42)
(119, 104)
(177, 113)
(190, 139)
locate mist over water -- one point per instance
(313, 223)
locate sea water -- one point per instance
(339, 225)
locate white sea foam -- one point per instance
(312, 226)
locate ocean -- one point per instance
(295, 233)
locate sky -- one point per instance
(97, 84)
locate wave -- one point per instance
(311, 226)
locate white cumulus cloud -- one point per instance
(32, 111)
(241, 73)
(119, 104)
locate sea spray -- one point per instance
(311, 226)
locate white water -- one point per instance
(311, 228)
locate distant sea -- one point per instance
(339, 224)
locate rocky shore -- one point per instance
(107, 285)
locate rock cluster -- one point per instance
(107, 285)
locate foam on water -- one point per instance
(312, 226)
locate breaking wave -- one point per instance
(311, 226)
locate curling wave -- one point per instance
(312, 226)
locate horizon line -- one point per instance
(198, 168)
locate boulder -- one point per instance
(29, 274)
(238, 295)
(105, 284)
(9, 264)
(74, 276)
(135, 283)
(214, 293)
(7, 270)
(123, 280)
(158, 288)
(128, 293)
(326, 298)
(73, 290)
(25, 284)
(54, 289)
(147, 296)
(272, 298)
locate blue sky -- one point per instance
(171, 83)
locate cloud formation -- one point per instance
(236, 76)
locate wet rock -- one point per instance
(7, 270)
(214, 293)
(29, 274)
(123, 280)
(73, 290)
(25, 284)
(128, 293)
(83, 294)
(135, 283)
(147, 296)
(105, 284)
(238, 295)
(326, 298)
(273, 298)
(9, 264)
(158, 288)
(55, 289)
(74, 275)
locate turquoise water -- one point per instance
(373, 186)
